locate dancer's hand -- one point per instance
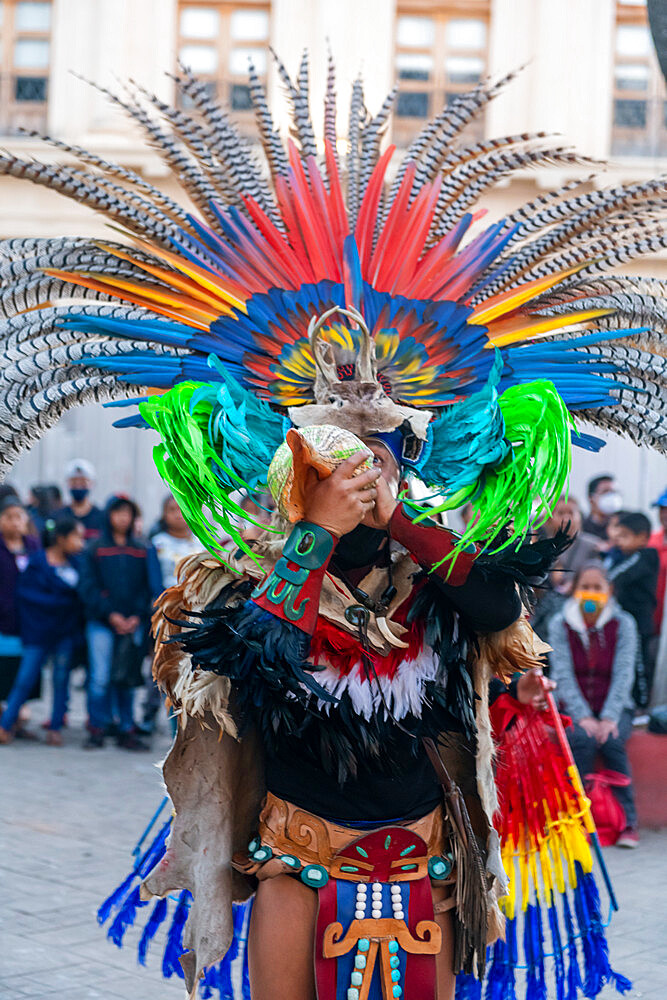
(340, 502)
(531, 687)
(386, 503)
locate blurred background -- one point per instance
(590, 73)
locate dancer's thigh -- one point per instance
(280, 948)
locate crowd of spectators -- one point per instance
(77, 588)
(78, 585)
(602, 615)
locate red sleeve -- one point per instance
(430, 544)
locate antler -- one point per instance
(365, 359)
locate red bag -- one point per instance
(608, 812)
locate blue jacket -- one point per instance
(49, 608)
(9, 578)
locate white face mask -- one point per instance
(610, 503)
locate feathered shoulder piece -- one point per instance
(367, 293)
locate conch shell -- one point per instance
(322, 448)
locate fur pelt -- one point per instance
(216, 786)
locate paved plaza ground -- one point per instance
(68, 820)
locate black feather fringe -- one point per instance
(275, 688)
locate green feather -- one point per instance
(520, 492)
(200, 479)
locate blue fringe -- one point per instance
(467, 987)
(156, 918)
(533, 944)
(238, 947)
(173, 949)
(125, 917)
(557, 950)
(594, 959)
(597, 935)
(143, 865)
(574, 983)
(500, 978)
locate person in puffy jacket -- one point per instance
(593, 653)
(50, 621)
(120, 579)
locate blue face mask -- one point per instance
(79, 494)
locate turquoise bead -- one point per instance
(364, 944)
(393, 947)
(394, 961)
(397, 991)
(353, 993)
(356, 978)
(439, 868)
(290, 860)
(360, 961)
(396, 976)
(254, 844)
(315, 876)
(262, 854)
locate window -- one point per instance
(640, 100)
(218, 40)
(440, 52)
(25, 41)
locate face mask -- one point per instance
(591, 601)
(79, 494)
(610, 503)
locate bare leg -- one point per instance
(444, 960)
(280, 946)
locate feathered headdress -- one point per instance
(364, 295)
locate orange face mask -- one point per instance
(591, 601)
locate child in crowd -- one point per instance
(594, 646)
(635, 579)
(50, 621)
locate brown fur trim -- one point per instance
(515, 648)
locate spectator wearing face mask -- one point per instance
(80, 476)
(594, 647)
(603, 500)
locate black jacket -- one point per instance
(634, 580)
(119, 578)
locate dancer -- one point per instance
(334, 335)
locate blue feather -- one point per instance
(144, 864)
(574, 982)
(174, 946)
(557, 950)
(157, 916)
(125, 917)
